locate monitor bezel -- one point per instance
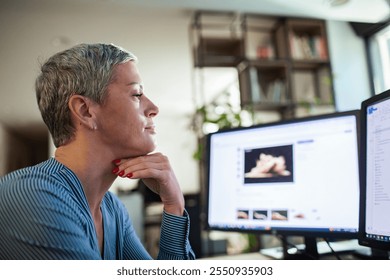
(362, 239)
(304, 232)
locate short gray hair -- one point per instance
(85, 69)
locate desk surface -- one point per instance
(345, 251)
(258, 256)
(246, 256)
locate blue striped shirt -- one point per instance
(44, 214)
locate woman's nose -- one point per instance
(151, 109)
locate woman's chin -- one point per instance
(144, 152)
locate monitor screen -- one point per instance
(297, 177)
(375, 181)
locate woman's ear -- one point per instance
(81, 110)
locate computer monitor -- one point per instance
(374, 228)
(297, 177)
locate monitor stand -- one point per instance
(310, 252)
(311, 249)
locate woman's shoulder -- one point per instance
(42, 172)
(44, 180)
(40, 188)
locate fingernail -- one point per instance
(130, 175)
(116, 161)
(115, 170)
(121, 173)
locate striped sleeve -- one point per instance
(174, 243)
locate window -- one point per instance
(379, 52)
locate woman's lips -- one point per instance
(151, 128)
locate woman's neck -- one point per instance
(92, 168)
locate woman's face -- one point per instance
(125, 119)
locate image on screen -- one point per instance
(298, 176)
(269, 164)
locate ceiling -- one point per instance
(355, 11)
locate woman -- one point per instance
(92, 100)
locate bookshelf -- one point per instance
(282, 63)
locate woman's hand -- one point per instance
(157, 174)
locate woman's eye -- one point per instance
(138, 95)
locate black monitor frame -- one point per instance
(309, 235)
(362, 236)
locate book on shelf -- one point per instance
(276, 91)
(304, 87)
(307, 47)
(270, 92)
(256, 90)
